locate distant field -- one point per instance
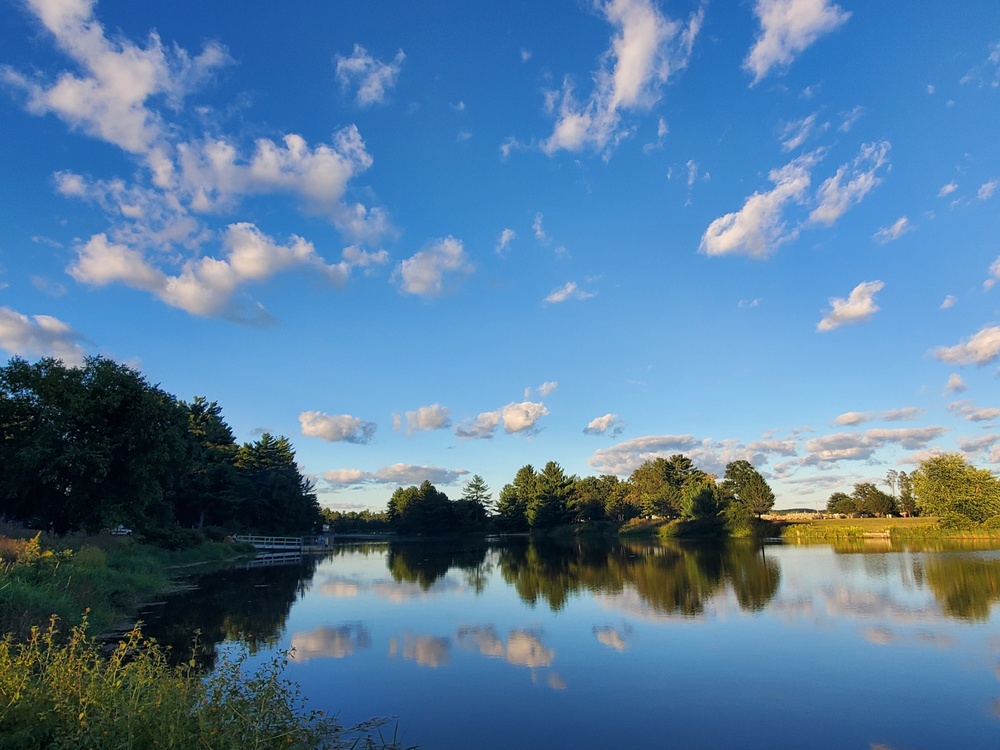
(865, 524)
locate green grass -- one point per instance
(61, 691)
(896, 530)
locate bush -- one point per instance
(56, 694)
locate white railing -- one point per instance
(271, 542)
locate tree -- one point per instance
(512, 504)
(907, 503)
(593, 496)
(744, 484)
(477, 491)
(948, 487)
(419, 510)
(655, 489)
(871, 501)
(549, 506)
(892, 481)
(283, 500)
(700, 499)
(841, 502)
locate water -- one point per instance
(625, 645)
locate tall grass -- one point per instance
(61, 691)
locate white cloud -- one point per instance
(433, 417)
(900, 227)
(624, 458)
(483, 427)
(794, 134)
(522, 417)
(857, 308)
(548, 387)
(994, 275)
(759, 228)
(539, 230)
(981, 349)
(986, 190)
(370, 78)
(850, 118)
(948, 189)
(787, 27)
(858, 446)
(503, 242)
(205, 286)
(425, 273)
(396, 474)
(850, 184)
(337, 428)
(646, 49)
(567, 291)
(948, 301)
(973, 446)
(955, 384)
(108, 100)
(972, 413)
(907, 413)
(610, 424)
(40, 336)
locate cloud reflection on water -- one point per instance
(328, 642)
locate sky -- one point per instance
(437, 239)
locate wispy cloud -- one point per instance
(787, 27)
(610, 425)
(569, 290)
(370, 79)
(396, 474)
(900, 227)
(892, 415)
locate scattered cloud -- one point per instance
(516, 418)
(986, 190)
(850, 118)
(948, 189)
(901, 226)
(610, 424)
(483, 427)
(858, 307)
(539, 230)
(567, 291)
(749, 304)
(907, 413)
(426, 272)
(797, 132)
(948, 302)
(370, 79)
(48, 286)
(787, 27)
(503, 242)
(968, 411)
(396, 474)
(973, 446)
(759, 228)
(981, 349)
(337, 428)
(548, 387)
(955, 384)
(426, 418)
(624, 458)
(861, 446)
(850, 184)
(646, 50)
(326, 642)
(206, 286)
(40, 336)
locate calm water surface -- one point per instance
(480, 645)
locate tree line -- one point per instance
(96, 447)
(662, 488)
(944, 486)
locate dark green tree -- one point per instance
(421, 510)
(512, 504)
(549, 506)
(700, 499)
(478, 492)
(282, 501)
(907, 503)
(841, 502)
(872, 501)
(744, 484)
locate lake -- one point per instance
(607, 644)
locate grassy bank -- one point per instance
(111, 576)
(895, 530)
(62, 691)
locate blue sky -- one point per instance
(426, 240)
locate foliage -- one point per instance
(948, 487)
(745, 485)
(365, 521)
(550, 504)
(94, 447)
(67, 694)
(700, 499)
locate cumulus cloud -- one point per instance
(972, 413)
(850, 184)
(548, 387)
(205, 286)
(646, 50)
(426, 418)
(516, 418)
(483, 427)
(907, 413)
(861, 446)
(858, 307)
(503, 242)
(396, 474)
(425, 273)
(610, 424)
(369, 78)
(981, 349)
(759, 228)
(900, 227)
(569, 290)
(108, 97)
(40, 336)
(624, 458)
(787, 27)
(948, 189)
(955, 384)
(337, 428)
(986, 190)
(973, 446)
